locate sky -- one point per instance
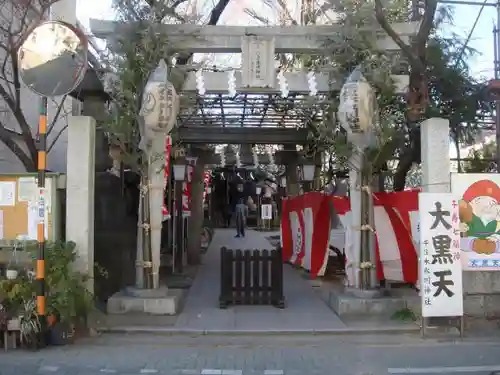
(464, 17)
(482, 37)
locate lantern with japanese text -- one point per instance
(357, 104)
(160, 104)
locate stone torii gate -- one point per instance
(257, 45)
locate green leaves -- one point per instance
(481, 160)
(134, 56)
(67, 294)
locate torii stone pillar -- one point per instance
(80, 179)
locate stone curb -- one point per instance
(240, 332)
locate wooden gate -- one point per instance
(251, 277)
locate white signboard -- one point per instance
(440, 265)
(26, 189)
(266, 212)
(258, 65)
(7, 193)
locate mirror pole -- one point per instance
(41, 142)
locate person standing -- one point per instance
(241, 217)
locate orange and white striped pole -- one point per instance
(42, 166)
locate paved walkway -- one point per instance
(304, 309)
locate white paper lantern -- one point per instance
(160, 105)
(357, 104)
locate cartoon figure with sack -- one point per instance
(479, 212)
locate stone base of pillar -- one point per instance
(356, 303)
(363, 293)
(161, 301)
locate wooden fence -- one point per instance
(251, 277)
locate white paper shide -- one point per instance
(440, 265)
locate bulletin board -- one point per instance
(19, 208)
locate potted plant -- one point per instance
(68, 300)
(29, 325)
(15, 292)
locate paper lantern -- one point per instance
(357, 104)
(160, 104)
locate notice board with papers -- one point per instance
(19, 205)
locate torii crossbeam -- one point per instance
(227, 39)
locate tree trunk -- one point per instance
(292, 185)
(459, 157)
(418, 87)
(30, 164)
(417, 103)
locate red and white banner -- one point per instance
(186, 187)
(206, 183)
(396, 222)
(168, 152)
(306, 230)
(305, 218)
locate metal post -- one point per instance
(170, 207)
(179, 235)
(42, 166)
(173, 228)
(185, 229)
(259, 212)
(209, 206)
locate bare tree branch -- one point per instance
(56, 138)
(60, 107)
(217, 12)
(177, 3)
(8, 140)
(427, 22)
(15, 108)
(214, 18)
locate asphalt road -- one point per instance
(259, 355)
